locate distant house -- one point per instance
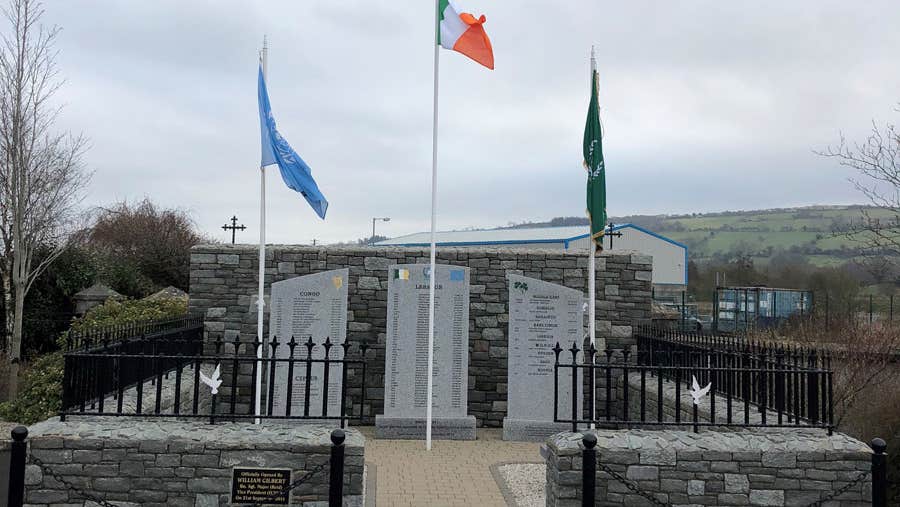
(670, 258)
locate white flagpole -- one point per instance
(260, 302)
(434, 139)
(592, 249)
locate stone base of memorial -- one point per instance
(740, 467)
(523, 430)
(401, 428)
(136, 461)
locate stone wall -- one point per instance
(176, 463)
(224, 286)
(765, 467)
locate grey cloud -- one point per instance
(707, 105)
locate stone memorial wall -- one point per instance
(224, 285)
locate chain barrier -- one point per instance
(632, 486)
(49, 471)
(840, 491)
(290, 487)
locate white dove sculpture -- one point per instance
(213, 382)
(698, 393)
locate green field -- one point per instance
(813, 232)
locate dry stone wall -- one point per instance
(770, 467)
(160, 462)
(224, 285)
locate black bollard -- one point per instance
(17, 457)
(879, 473)
(336, 473)
(588, 470)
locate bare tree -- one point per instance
(41, 175)
(877, 163)
(155, 242)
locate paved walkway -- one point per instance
(453, 473)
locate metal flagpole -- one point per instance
(592, 249)
(433, 272)
(260, 302)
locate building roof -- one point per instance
(507, 236)
(490, 236)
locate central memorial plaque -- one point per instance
(406, 354)
(303, 307)
(540, 315)
(260, 485)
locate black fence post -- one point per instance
(336, 473)
(17, 456)
(879, 473)
(588, 470)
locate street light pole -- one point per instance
(383, 219)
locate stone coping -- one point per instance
(530, 252)
(224, 435)
(763, 440)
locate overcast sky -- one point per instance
(707, 106)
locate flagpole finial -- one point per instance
(264, 55)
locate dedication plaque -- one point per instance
(406, 354)
(540, 315)
(260, 485)
(303, 307)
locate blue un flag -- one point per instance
(276, 150)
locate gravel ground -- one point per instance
(526, 483)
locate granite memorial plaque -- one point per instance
(260, 485)
(303, 307)
(540, 315)
(406, 354)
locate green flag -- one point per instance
(593, 162)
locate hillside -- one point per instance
(810, 231)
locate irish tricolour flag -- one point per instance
(463, 32)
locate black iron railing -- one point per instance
(163, 376)
(750, 385)
(109, 335)
(703, 353)
(88, 364)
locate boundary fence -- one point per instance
(751, 311)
